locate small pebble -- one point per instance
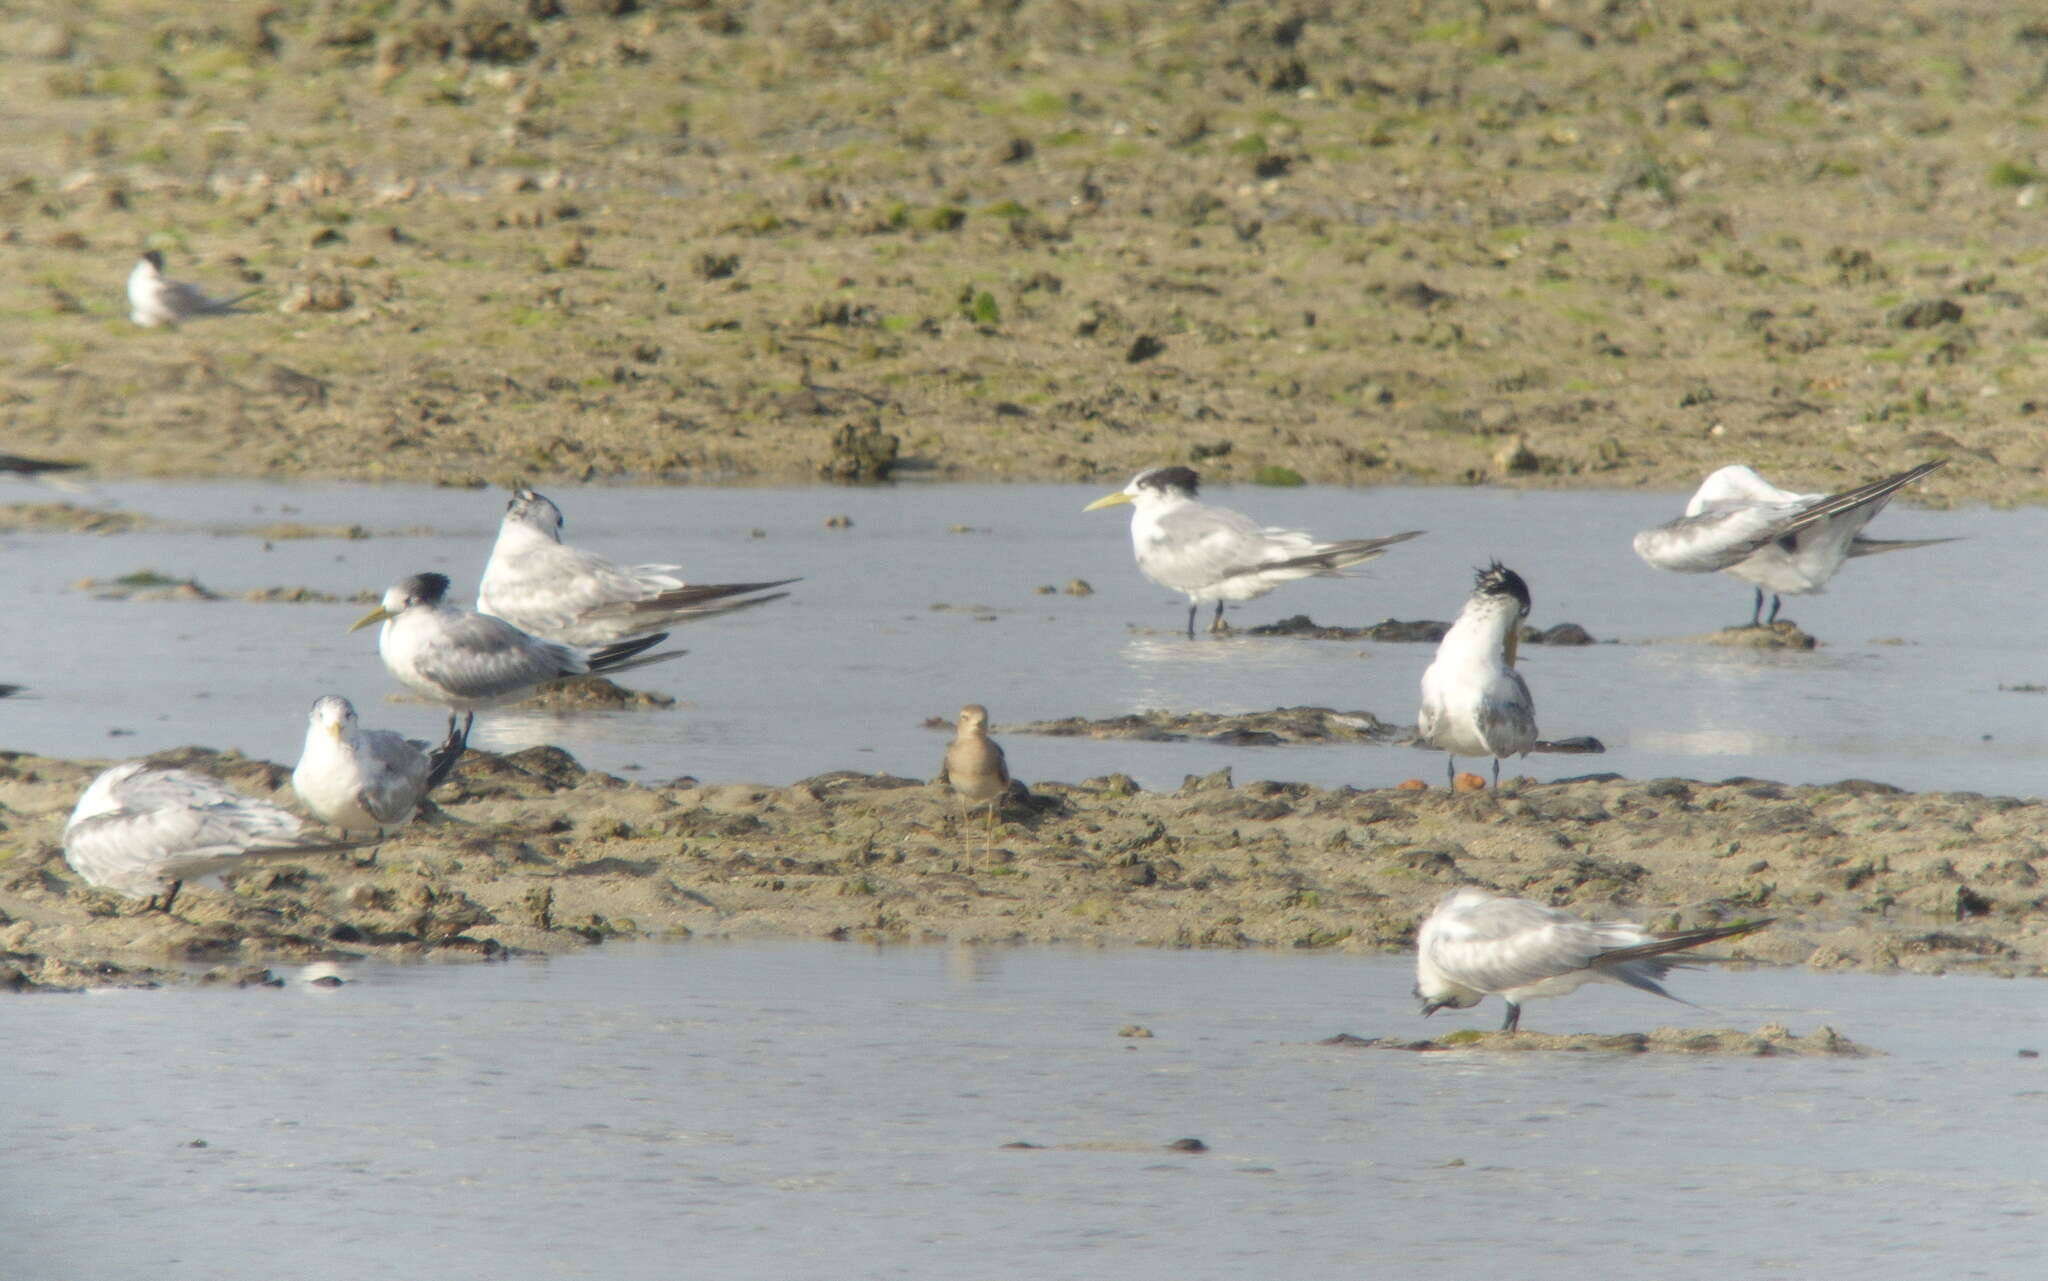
(1187, 1145)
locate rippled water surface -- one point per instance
(930, 599)
(809, 1110)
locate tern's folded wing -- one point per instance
(1713, 540)
(475, 656)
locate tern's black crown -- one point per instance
(1170, 479)
(1498, 580)
(533, 508)
(425, 589)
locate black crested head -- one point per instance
(530, 507)
(153, 258)
(1498, 580)
(425, 589)
(1169, 480)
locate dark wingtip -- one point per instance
(441, 762)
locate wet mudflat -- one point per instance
(785, 1110)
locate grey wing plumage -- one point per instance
(167, 791)
(189, 300)
(1714, 540)
(1509, 943)
(1507, 715)
(1641, 965)
(547, 588)
(475, 656)
(1334, 558)
(688, 603)
(1197, 546)
(1727, 535)
(394, 777)
(1861, 546)
(1659, 947)
(171, 825)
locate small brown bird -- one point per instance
(975, 768)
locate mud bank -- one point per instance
(1521, 243)
(532, 853)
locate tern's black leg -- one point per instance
(1450, 771)
(1756, 613)
(1217, 624)
(1496, 773)
(1514, 1018)
(172, 896)
(1775, 602)
(1193, 609)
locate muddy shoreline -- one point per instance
(697, 243)
(532, 854)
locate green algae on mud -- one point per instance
(1524, 243)
(529, 852)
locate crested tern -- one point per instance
(154, 301)
(1739, 523)
(143, 831)
(576, 597)
(974, 767)
(366, 780)
(464, 660)
(1213, 553)
(1478, 943)
(1474, 702)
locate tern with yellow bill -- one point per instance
(464, 660)
(1474, 702)
(366, 780)
(1789, 544)
(1478, 943)
(1215, 554)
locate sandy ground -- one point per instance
(532, 853)
(1547, 243)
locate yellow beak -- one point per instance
(1108, 500)
(376, 615)
(1514, 642)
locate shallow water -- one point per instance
(899, 619)
(805, 1110)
